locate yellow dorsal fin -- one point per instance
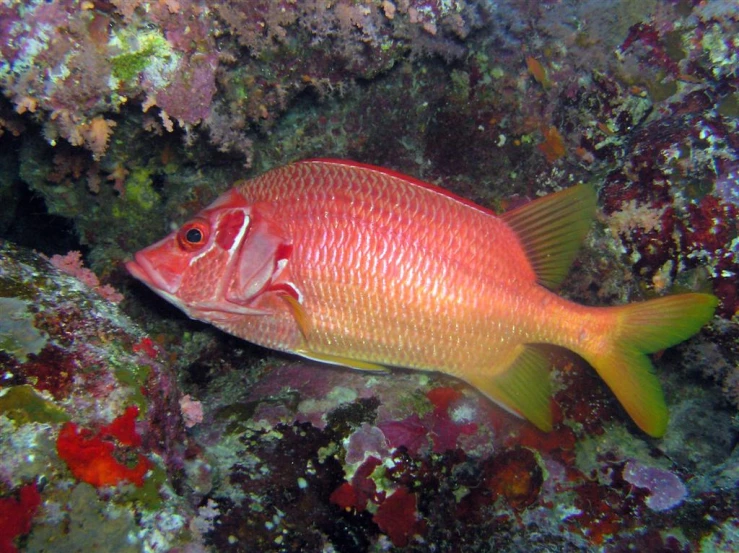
(523, 388)
(551, 230)
(339, 360)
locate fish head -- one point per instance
(216, 266)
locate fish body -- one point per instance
(364, 267)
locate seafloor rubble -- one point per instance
(119, 118)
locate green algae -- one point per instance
(661, 89)
(90, 524)
(140, 194)
(148, 494)
(135, 377)
(237, 415)
(129, 65)
(417, 403)
(18, 336)
(14, 288)
(23, 405)
(729, 106)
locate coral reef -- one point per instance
(120, 118)
(495, 478)
(85, 408)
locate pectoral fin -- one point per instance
(298, 312)
(523, 388)
(339, 360)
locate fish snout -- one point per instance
(156, 271)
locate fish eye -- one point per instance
(193, 235)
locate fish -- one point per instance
(536, 69)
(361, 266)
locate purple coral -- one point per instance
(666, 490)
(189, 95)
(366, 441)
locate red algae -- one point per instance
(397, 517)
(355, 496)
(51, 370)
(92, 458)
(346, 497)
(515, 475)
(146, 346)
(16, 516)
(443, 397)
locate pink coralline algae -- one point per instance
(410, 433)
(727, 183)
(666, 490)
(72, 264)
(72, 64)
(439, 426)
(365, 441)
(194, 80)
(192, 411)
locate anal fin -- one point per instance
(523, 387)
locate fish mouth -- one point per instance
(142, 269)
(136, 270)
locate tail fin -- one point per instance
(643, 328)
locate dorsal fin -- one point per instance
(551, 230)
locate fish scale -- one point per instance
(341, 219)
(361, 266)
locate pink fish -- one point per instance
(364, 267)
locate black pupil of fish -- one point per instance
(194, 236)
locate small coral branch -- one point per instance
(71, 263)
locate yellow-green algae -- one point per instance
(18, 336)
(136, 377)
(23, 405)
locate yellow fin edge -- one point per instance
(340, 360)
(523, 387)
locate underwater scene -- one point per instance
(369, 275)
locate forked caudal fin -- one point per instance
(640, 329)
(621, 360)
